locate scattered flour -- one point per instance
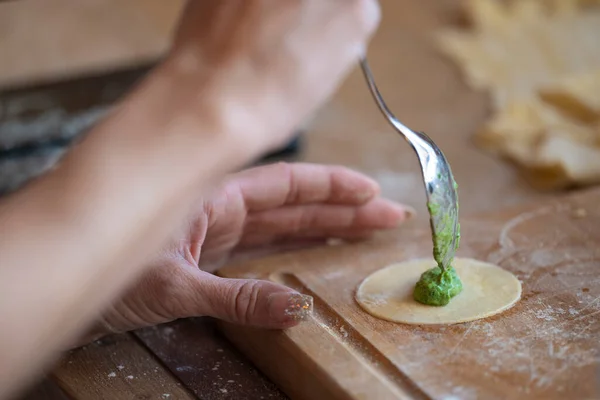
(167, 330)
(185, 368)
(343, 331)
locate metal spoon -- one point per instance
(440, 187)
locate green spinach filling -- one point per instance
(438, 285)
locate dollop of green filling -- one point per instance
(436, 286)
(440, 284)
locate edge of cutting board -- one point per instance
(298, 367)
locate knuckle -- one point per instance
(305, 220)
(283, 168)
(175, 302)
(245, 298)
(367, 12)
(285, 171)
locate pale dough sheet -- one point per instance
(488, 290)
(540, 62)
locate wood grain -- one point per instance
(205, 362)
(545, 347)
(119, 368)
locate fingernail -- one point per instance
(371, 15)
(409, 212)
(289, 306)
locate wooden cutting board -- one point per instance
(546, 347)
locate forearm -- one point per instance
(73, 240)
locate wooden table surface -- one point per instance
(544, 348)
(188, 359)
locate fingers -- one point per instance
(255, 303)
(275, 185)
(369, 14)
(259, 68)
(265, 244)
(316, 220)
(177, 289)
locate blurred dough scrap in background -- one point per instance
(540, 61)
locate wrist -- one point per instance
(232, 98)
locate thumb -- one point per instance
(255, 303)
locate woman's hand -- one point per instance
(263, 206)
(262, 66)
(242, 75)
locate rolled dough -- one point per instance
(487, 290)
(540, 61)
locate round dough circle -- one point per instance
(487, 290)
